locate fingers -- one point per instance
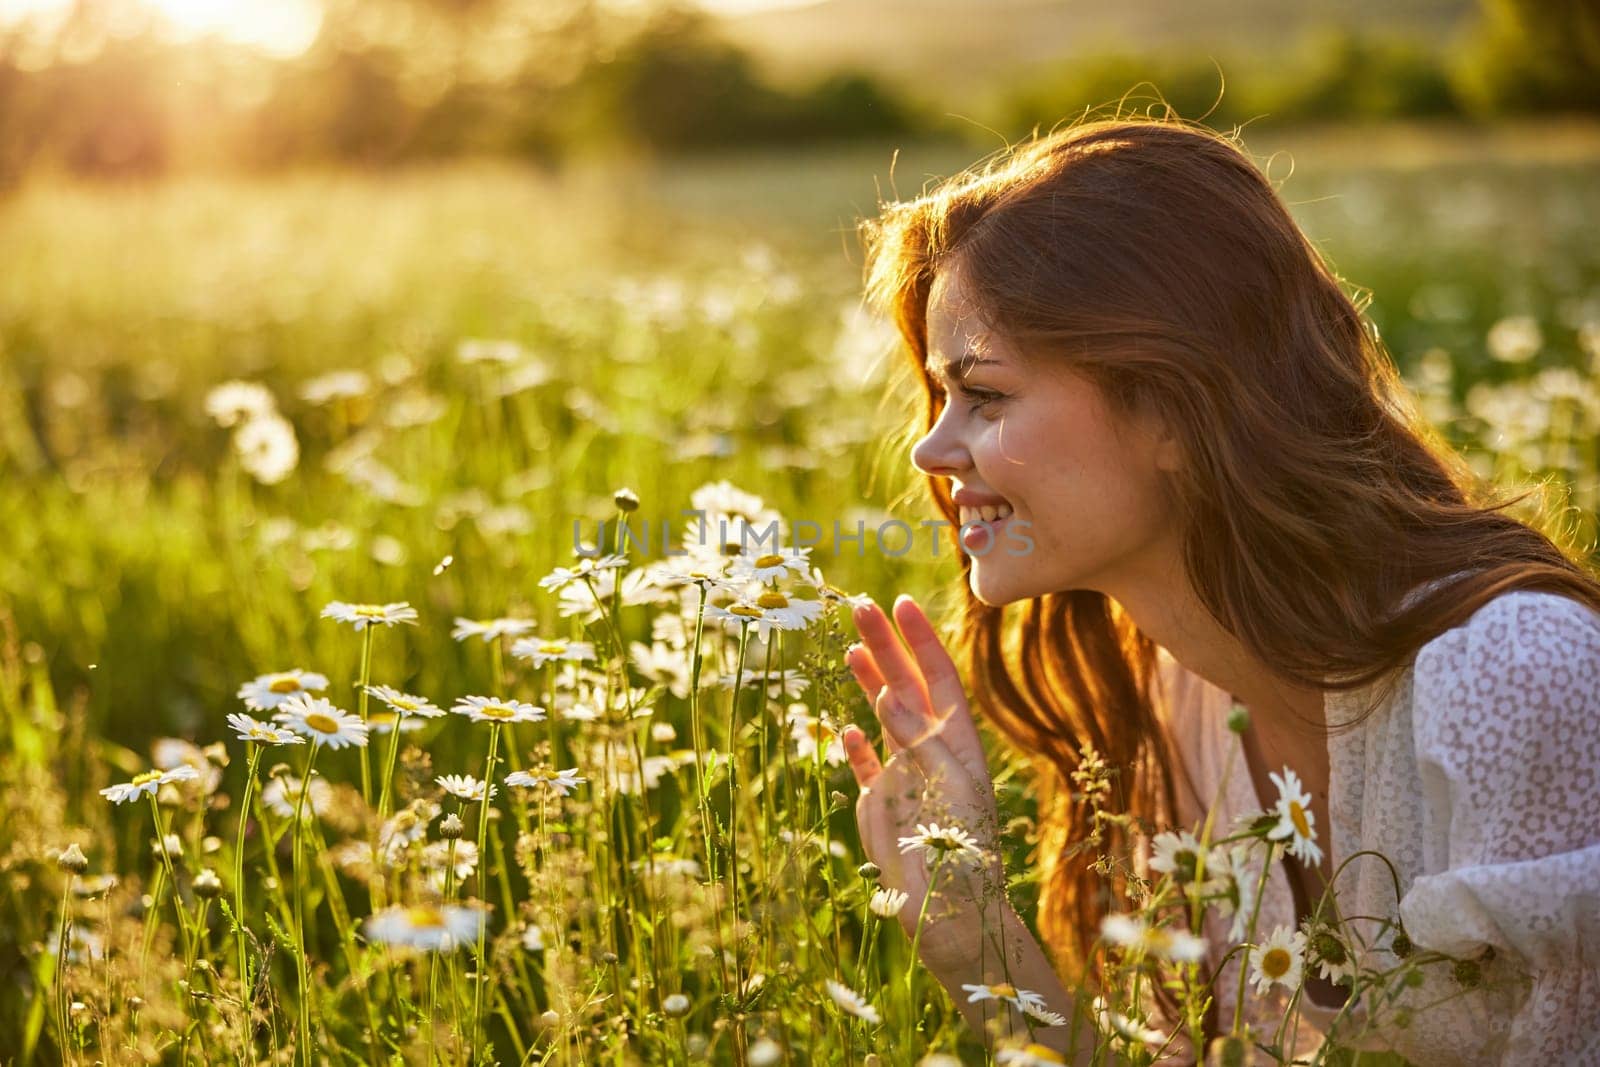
(864, 761)
(921, 741)
(870, 679)
(945, 691)
(900, 672)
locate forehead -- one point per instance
(959, 340)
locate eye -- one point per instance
(981, 398)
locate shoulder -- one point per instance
(1520, 676)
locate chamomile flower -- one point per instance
(236, 401)
(282, 794)
(1280, 960)
(886, 903)
(852, 1003)
(771, 566)
(436, 857)
(267, 691)
(464, 787)
(405, 703)
(495, 709)
(1239, 880)
(489, 629)
(1030, 1055)
(384, 721)
(262, 733)
(939, 841)
(1294, 819)
(588, 565)
(813, 734)
(360, 616)
(766, 611)
(559, 782)
(1179, 855)
(1133, 933)
(1017, 998)
(1041, 1014)
(431, 928)
(541, 650)
(1331, 954)
(319, 720)
(1131, 1030)
(147, 784)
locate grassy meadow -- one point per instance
(448, 368)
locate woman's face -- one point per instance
(1083, 485)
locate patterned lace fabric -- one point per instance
(1479, 780)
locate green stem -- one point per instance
(302, 964)
(245, 986)
(483, 860)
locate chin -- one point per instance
(996, 590)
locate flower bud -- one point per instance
(870, 871)
(1238, 718)
(1401, 946)
(451, 828)
(207, 885)
(72, 859)
(676, 1006)
(626, 500)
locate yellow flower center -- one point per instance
(820, 732)
(1275, 964)
(285, 685)
(423, 916)
(146, 778)
(1043, 1053)
(368, 611)
(383, 718)
(552, 648)
(773, 600)
(769, 560)
(745, 610)
(498, 711)
(1297, 815)
(406, 703)
(1004, 989)
(323, 724)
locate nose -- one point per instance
(941, 451)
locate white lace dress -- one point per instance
(1479, 779)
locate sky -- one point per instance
(283, 27)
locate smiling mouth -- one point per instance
(985, 514)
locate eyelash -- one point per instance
(981, 397)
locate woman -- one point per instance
(1133, 356)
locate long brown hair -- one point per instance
(1158, 260)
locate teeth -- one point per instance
(987, 513)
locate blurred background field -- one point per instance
(495, 260)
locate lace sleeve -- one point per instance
(1507, 729)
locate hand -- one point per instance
(936, 771)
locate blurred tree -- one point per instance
(1533, 55)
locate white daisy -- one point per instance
(886, 903)
(384, 721)
(1132, 932)
(235, 401)
(267, 691)
(282, 794)
(541, 650)
(464, 787)
(1131, 1030)
(494, 709)
(532, 939)
(586, 566)
(1281, 960)
(767, 611)
(1331, 953)
(436, 857)
(577, 600)
(663, 664)
(1238, 894)
(1017, 998)
(1295, 819)
(622, 772)
(1179, 855)
(771, 566)
(267, 448)
(336, 385)
(171, 846)
(935, 840)
(852, 1003)
(360, 616)
(319, 720)
(405, 703)
(260, 732)
(790, 682)
(147, 784)
(1030, 1055)
(1041, 1014)
(559, 782)
(431, 928)
(489, 629)
(813, 734)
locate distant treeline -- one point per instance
(397, 80)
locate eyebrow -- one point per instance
(963, 365)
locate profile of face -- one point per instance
(1024, 432)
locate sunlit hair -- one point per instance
(1156, 259)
